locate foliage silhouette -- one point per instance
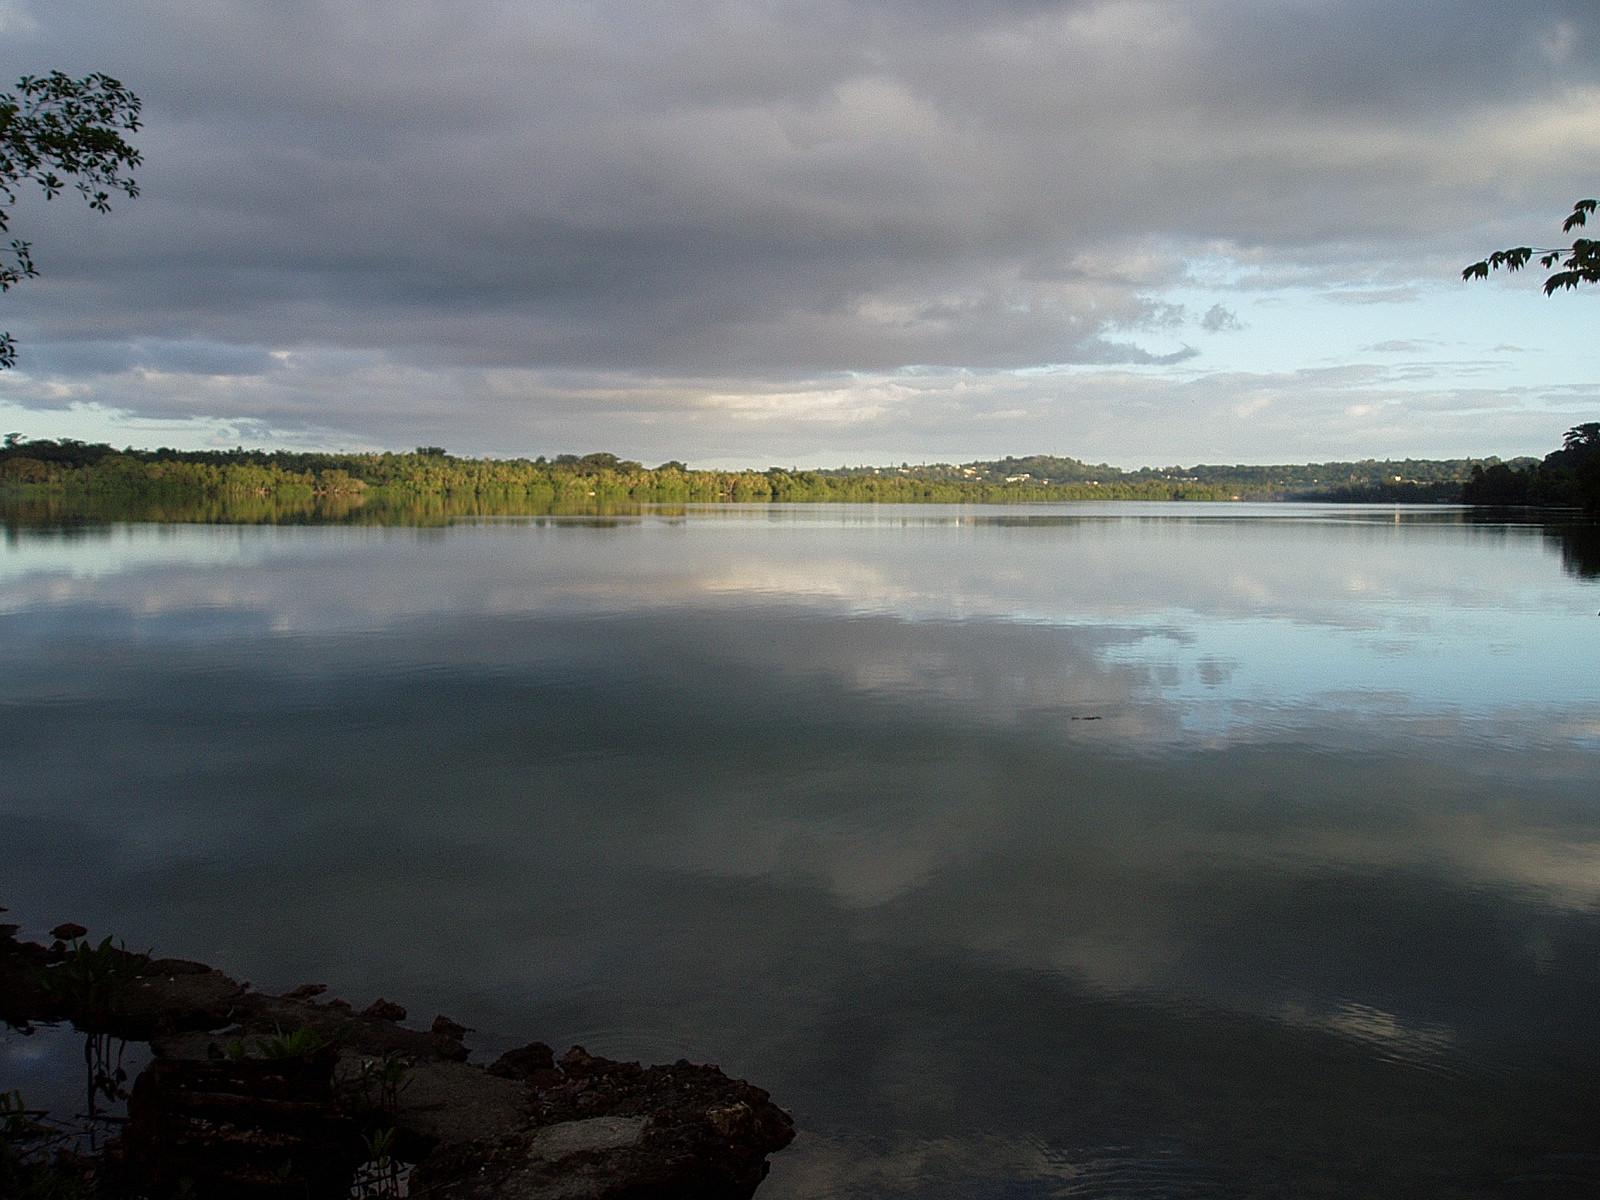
(1581, 263)
(53, 126)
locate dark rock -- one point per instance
(245, 1128)
(23, 995)
(519, 1064)
(216, 1109)
(170, 995)
(180, 966)
(619, 1131)
(384, 1010)
(264, 1015)
(589, 1159)
(578, 1058)
(449, 1104)
(109, 990)
(201, 1043)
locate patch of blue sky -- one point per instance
(1428, 336)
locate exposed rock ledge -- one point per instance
(243, 1083)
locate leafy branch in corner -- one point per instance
(1580, 262)
(54, 128)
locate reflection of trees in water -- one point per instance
(1577, 539)
(1580, 547)
(93, 516)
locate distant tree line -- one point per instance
(1406, 480)
(1568, 477)
(66, 467)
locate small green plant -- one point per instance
(379, 1143)
(296, 1044)
(380, 1176)
(89, 975)
(381, 1081)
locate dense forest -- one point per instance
(42, 471)
(1567, 478)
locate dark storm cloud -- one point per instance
(758, 188)
(187, 357)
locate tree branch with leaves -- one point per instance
(1579, 262)
(54, 128)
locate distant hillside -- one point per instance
(65, 466)
(1408, 479)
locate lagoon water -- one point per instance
(1128, 850)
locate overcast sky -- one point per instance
(755, 232)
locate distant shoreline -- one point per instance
(42, 471)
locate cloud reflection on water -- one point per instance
(639, 786)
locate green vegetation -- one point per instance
(1567, 478)
(89, 975)
(40, 469)
(380, 1082)
(380, 1175)
(66, 480)
(296, 1043)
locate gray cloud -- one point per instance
(1218, 319)
(762, 191)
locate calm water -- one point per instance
(1058, 850)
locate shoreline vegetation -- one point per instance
(72, 480)
(49, 474)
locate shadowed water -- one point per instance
(1058, 850)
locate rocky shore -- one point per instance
(251, 1095)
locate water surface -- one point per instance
(1091, 850)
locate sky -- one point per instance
(818, 232)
